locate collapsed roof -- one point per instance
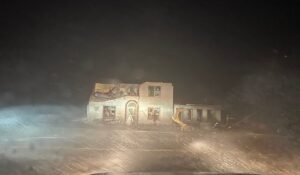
(103, 92)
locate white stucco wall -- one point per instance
(119, 103)
(164, 102)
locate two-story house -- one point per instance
(149, 102)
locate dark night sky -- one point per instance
(53, 51)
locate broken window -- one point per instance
(153, 113)
(109, 112)
(154, 91)
(132, 91)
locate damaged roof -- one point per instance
(104, 92)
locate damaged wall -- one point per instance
(96, 108)
(151, 98)
(200, 113)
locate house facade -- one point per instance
(145, 103)
(149, 102)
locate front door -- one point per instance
(131, 113)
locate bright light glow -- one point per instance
(198, 146)
(9, 121)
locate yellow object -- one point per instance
(178, 120)
(103, 88)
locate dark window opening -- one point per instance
(153, 113)
(199, 114)
(109, 112)
(154, 91)
(188, 115)
(209, 115)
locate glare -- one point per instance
(198, 146)
(8, 121)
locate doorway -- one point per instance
(199, 115)
(209, 116)
(131, 113)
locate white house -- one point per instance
(149, 102)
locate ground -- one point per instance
(72, 147)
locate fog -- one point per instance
(243, 56)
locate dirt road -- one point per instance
(27, 148)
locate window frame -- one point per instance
(152, 90)
(152, 117)
(110, 117)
